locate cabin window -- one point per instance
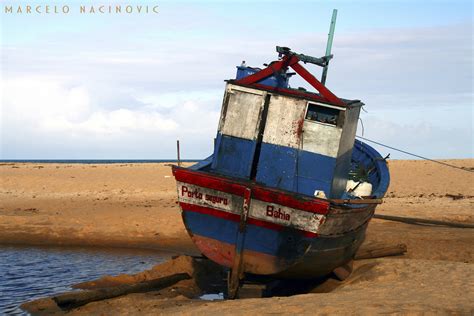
(323, 114)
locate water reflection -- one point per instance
(212, 297)
(27, 273)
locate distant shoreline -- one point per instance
(95, 161)
(117, 161)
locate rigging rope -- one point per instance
(415, 155)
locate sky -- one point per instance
(127, 86)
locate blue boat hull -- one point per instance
(275, 232)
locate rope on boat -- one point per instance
(422, 221)
(415, 155)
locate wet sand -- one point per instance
(133, 205)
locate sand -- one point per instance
(133, 205)
(121, 205)
(380, 286)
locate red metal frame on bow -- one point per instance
(292, 61)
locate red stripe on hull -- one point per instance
(208, 181)
(236, 218)
(258, 192)
(288, 200)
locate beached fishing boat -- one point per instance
(288, 191)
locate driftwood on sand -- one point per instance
(381, 251)
(75, 299)
(422, 221)
(344, 271)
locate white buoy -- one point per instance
(363, 189)
(320, 194)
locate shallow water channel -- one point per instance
(27, 273)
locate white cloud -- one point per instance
(46, 105)
(35, 98)
(434, 132)
(44, 111)
(77, 99)
(111, 122)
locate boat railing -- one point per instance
(356, 201)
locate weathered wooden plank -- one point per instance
(414, 220)
(75, 299)
(384, 251)
(260, 210)
(321, 139)
(252, 291)
(189, 193)
(284, 124)
(286, 216)
(354, 201)
(340, 221)
(344, 271)
(242, 115)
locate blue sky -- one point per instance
(128, 85)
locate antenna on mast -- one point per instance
(328, 55)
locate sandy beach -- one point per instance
(134, 205)
(121, 205)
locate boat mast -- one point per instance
(328, 55)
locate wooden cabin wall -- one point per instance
(265, 137)
(344, 154)
(297, 154)
(317, 160)
(281, 142)
(238, 131)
